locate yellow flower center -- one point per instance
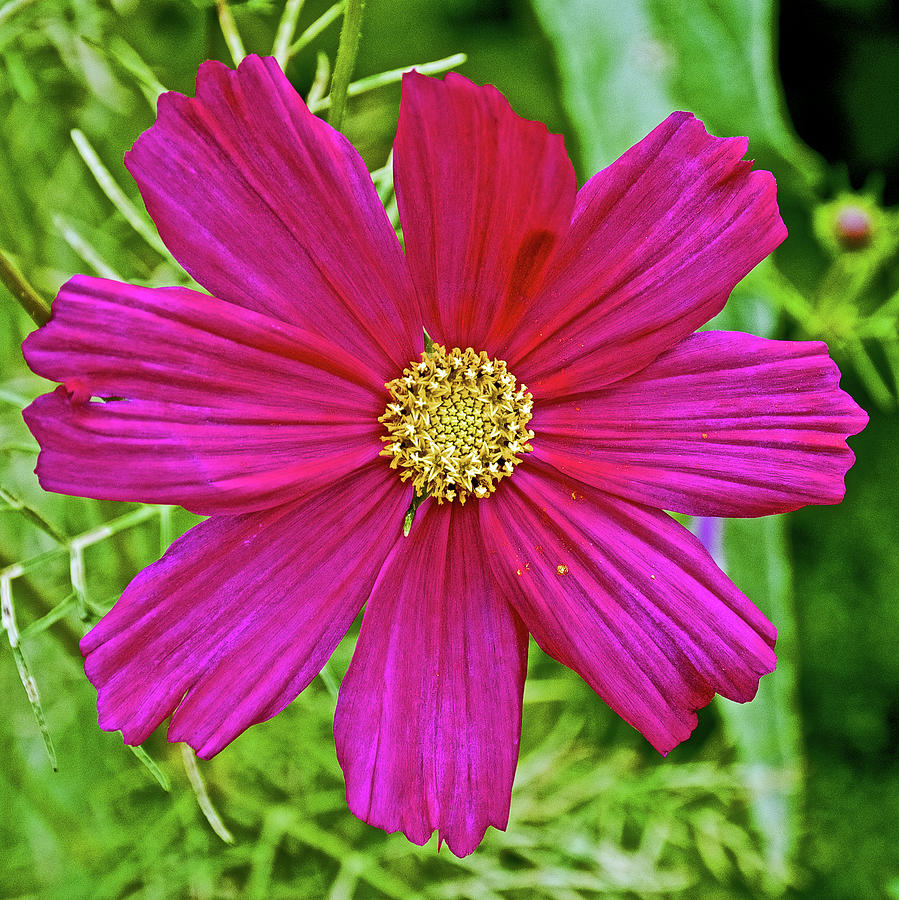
(456, 424)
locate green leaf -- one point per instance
(626, 64)
(767, 731)
(606, 64)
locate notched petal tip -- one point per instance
(215, 400)
(268, 207)
(725, 424)
(461, 842)
(427, 744)
(727, 155)
(454, 84)
(485, 197)
(766, 664)
(847, 419)
(37, 340)
(657, 242)
(41, 417)
(761, 662)
(213, 69)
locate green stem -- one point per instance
(230, 32)
(83, 248)
(346, 60)
(394, 75)
(150, 764)
(891, 350)
(320, 82)
(58, 612)
(330, 682)
(792, 301)
(137, 220)
(286, 28)
(890, 309)
(33, 516)
(315, 29)
(28, 297)
(203, 799)
(868, 373)
(8, 622)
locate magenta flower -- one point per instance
(297, 409)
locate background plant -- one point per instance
(791, 794)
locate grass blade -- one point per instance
(8, 620)
(140, 223)
(150, 765)
(202, 795)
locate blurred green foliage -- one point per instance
(625, 68)
(793, 794)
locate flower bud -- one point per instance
(849, 224)
(853, 227)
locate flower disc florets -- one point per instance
(456, 423)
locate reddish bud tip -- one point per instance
(853, 227)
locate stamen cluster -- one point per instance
(456, 424)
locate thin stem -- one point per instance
(83, 248)
(150, 764)
(8, 621)
(60, 611)
(891, 350)
(230, 32)
(116, 195)
(792, 301)
(315, 29)
(15, 399)
(165, 528)
(888, 311)
(320, 81)
(869, 374)
(346, 61)
(28, 297)
(370, 82)
(286, 28)
(202, 795)
(383, 179)
(330, 682)
(33, 516)
(130, 60)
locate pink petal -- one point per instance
(627, 598)
(241, 613)
(270, 208)
(222, 409)
(657, 242)
(484, 197)
(724, 424)
(429, 714)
